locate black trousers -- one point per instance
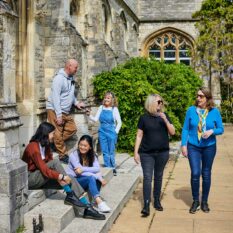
(153, 163)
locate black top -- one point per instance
(155, 134)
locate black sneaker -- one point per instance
(114, 172)
(91, 213)
(72, 199)
(205, 207)
(64, 159)
(195, 207)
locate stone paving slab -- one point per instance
(171, 225)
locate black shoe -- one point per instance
(91, 213)
(114, 172)
(146, 209)
(158, 205)
(64, 159)
(195, 206)
(205, 207)
(72, 199)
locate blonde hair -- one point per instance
(150, 103)
(114, 99)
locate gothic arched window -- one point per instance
(171, 47)
(74, 12)
(107, 21)
(125, 27)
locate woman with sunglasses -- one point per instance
(152, 148)
(202, 123)
(110, 123)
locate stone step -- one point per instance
(35, 197)
(55, 222)
(55, 214)
(120, 159)
(116, 193)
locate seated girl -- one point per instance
(46, 172)
(83, 164)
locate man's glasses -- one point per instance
(159, 101)
(201, 96)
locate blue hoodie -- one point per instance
(189, 131)
(62, 95)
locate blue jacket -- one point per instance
(189, 131)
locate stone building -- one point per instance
(37, 36)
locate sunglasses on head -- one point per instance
(200, 96)
(159, 101)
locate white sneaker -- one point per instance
(103, 207)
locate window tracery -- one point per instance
(171, 47)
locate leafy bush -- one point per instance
(138, 77)
(227, 110)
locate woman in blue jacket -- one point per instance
(202, 123)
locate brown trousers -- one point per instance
(62, 132)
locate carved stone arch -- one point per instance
(135, 28)
(107, 20)
(74, 7)
(124, 29)
(168, 37)
(123, 18)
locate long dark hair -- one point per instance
(90, 154)
(42, 133)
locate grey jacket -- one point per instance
(62, 95)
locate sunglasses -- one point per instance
(159, 101)
(201, 96)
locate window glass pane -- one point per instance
(169, 61)
(169, 53)
(183, 53)
(186, 62)
(159, 40)
(155, 53)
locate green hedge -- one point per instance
(138, 77)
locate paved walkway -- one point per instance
(177, 199)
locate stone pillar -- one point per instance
(13, 171)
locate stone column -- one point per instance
(13, 171)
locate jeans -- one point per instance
(108, 146)
(89, 183)
(200, 161)
(153, 163)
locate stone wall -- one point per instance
(13, 171)
(168, 10)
